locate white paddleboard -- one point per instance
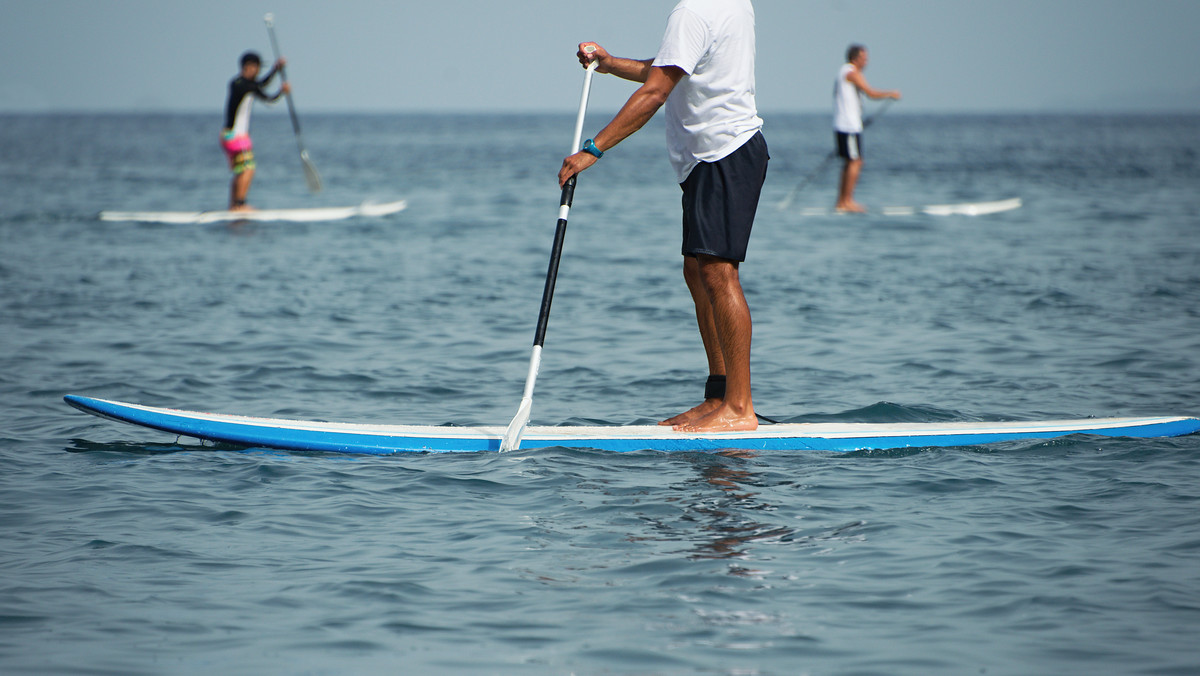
(962, 209)
(294, 215)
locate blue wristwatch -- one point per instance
(590, 146)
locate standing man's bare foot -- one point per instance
(721, 419)
(850, 208)
(694, 413)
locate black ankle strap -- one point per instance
(714, 387)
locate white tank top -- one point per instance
(847, 103)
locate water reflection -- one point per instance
(726, 531)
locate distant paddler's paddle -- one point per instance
(512, 435)
(310, 171)
(787, 201)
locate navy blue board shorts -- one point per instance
(849, 146)
(720, 199)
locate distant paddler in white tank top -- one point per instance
(848, 90)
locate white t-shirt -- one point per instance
(847, 103)
(712, 111)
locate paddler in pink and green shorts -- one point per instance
(235, 137)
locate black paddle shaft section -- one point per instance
(283, 75)
(560, 234)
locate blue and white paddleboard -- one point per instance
(312, 215)
(300, 435)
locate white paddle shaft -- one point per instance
(583, 99)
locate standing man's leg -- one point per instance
(708, 335)
(725, 303)
(240, 189)
(849, 147)
(850, 172)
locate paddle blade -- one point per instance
(512, 435)
(310, 172)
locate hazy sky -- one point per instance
(463, 55)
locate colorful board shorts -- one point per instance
(240, 151)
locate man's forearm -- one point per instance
(628, 69)
(634, 115)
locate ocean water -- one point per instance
(128, 551)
